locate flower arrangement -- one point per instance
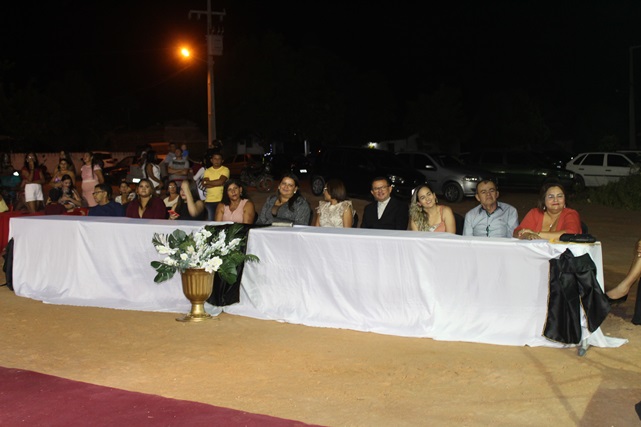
(214, 248)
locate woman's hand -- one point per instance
(527, 234)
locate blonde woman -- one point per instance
(427, 215)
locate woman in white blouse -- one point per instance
(335, 210)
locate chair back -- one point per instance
(460, 221)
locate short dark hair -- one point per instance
(55, 194)
(381, 178)
(486, 181)
(336, 189)
(544, 189)
(243, 191)
(104, 187)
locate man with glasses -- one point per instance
(105, 206)
(386, 212)
(491, 218)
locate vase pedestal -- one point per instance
(197, 287)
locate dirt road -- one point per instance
(341, 377)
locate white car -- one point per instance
(600, 168)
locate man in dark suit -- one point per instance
(386, 212)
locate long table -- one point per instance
(435, 285)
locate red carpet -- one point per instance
(31, 399)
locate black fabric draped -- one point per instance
(573, 284)
(225, 293)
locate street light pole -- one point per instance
(632, 118)
(214, 48)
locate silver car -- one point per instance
(445, 174)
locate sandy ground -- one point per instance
(341, 377)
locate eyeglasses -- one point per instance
(380, 188)
(555, 196)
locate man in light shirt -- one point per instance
(491, 218)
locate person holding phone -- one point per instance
(189, 206)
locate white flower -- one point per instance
(165, 250)
(213, 264)
(170, 261)
(184, 256)
(234, 243)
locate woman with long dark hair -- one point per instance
(189, 206)
(146, 205)
(235, 206)
(287, 204)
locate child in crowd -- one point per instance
(54, 207)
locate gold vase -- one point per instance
(197, 287)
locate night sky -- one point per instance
(562, 54)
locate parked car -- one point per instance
(600, 168)
(521, 169)
(634, 155)
(357, 166)
(114, 174)
(105, 158)
(238, 162)
(445, 174)
(281, 163)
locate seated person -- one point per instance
(550, 218)
(146, 205)
(54, 207)
(491, 218)
(427, 215)
(620, 292)
(70, 198)
(173, 195)
(126, 195)
(385, 212)
(335, 210)
(288, 204)
(189, 206)
(104, 205)
(235, 206)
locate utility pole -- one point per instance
(214, 48)
(632, 114)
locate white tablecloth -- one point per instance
(94, 261)
(403, 283)
(435, 285)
